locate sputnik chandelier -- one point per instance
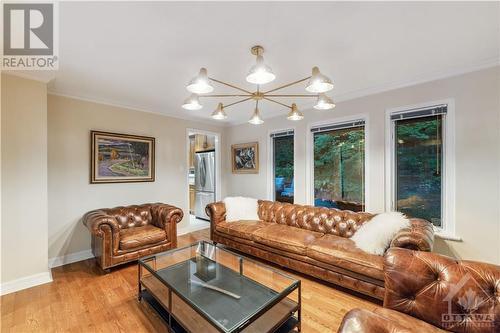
(260, 74)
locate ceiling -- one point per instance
(142, 54)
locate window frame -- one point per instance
(310, 155)
(447, 229)
(270, 164)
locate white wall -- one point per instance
(24, 182)
(71, 194)
(477, 154)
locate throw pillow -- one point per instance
(376, 235)
(241, 208)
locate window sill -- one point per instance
(447, 236)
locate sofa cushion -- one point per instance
(132, 238)
(342, 252)
(241, 208)
(375, 235)
(286, 238)
(241, 229)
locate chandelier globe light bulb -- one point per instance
(324, 102)
(294, 113)
(192, 103)
(219, 113)
(319, 83)
(200, 84)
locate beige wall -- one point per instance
(477, 138)
(24, 178)
(71, 195)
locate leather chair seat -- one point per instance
(132, 238)
(286, 238)
(241, 229)
(342, 252)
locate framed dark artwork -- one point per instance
(245, 157)
(121, 158)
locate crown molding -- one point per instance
(488, 63)
(134, 108)
(33, 77)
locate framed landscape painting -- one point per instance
(121, 158)
(245, 157)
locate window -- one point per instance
(339, 165)
(282, 157)
(418, 147)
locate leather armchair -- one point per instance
(123, 234)
(428, 292)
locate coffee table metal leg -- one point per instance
(299, 315)
(139, 287)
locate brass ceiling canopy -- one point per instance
(260, 74)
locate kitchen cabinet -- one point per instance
(204, 142)
(191, 199)
(191, 151)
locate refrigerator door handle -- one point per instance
(203, 171)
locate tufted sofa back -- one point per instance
(342, 223)
(131, 216)
(458, 296)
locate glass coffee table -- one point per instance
(206, 288)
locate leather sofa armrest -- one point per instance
(216, 211)
(166, 217)
(419, 236)
(164, 214)
(97, 219)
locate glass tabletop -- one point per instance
(226, 288)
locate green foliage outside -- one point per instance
(419, 167)
(283, 158)
(339, 165)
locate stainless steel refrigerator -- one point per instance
(204, 182)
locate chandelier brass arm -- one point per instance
(274, 101)
(238, 102)
(231, 85)
(228, 95)
(289, 95)
(287, 85)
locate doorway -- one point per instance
(203, 176)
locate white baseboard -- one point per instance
(25, 282)
(70, 258)
(191, 228)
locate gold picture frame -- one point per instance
(245, 157)
(121, 158)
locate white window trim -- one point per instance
(447, 231)
(310, 155)
(270, 164)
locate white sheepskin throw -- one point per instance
(241, 208)
(376, 235)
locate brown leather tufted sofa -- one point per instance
(123, 234)
(315, 241)
(428, 292)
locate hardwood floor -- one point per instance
(83, 299)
